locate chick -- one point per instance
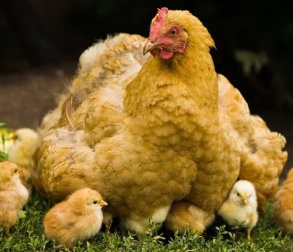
(24, 147)
(22, 152)
(182, 215)
(77, 218)
(283, 205)
(13, 195)
(240, 209)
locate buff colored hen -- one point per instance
(283, 205)
(162, 138)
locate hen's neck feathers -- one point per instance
(185, 77)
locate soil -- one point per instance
(25, 97)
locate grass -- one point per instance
(28, 235)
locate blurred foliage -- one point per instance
(262, 27)
(3, 154)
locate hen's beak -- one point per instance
(149, 47)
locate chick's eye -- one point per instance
(15, 171)
(238, 194)
(95, 202)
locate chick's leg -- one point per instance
(107, 220)
(248, 234)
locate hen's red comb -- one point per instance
(162, 14)
(159, 19)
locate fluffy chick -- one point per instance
(240, 209)
(182, 215)
(21, 152)
(13, 195)
(77, 218)
(283, 205)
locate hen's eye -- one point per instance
(173, 32)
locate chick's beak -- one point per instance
(244, 199)
(103, 203)
(150, 47)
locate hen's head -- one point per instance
(173, 31)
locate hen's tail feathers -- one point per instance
(66, 114)
(104, 63)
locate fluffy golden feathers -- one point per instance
(283, 205)
(77, 218)
(148, 133)
(240, 209)
(13, 195)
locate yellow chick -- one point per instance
(13, 195)
(77, 218)
(240, 209)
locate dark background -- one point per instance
(41, 40)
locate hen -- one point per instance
(156, 134)
(283, 205)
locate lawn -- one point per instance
(28, 235)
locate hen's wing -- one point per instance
(67, 163)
